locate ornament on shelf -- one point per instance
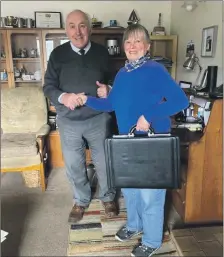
(133, 19)
(95, 23)
(159, 30)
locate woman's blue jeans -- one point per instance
(145, 212)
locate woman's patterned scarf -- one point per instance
(132, 65)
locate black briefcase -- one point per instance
(148, 161)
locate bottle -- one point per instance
(118, 50)
(112, 50)
(5, 75)
(200, 112)
(22, 71)
(190, 109)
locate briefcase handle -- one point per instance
(133, 129)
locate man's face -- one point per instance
(77, 29)
(136, 46)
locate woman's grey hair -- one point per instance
(135, 29)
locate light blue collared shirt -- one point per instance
(76, 49)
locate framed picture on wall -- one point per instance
(209, 41)
(48, 19)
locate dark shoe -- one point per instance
(124, 234)
(110, 209)
(76, 213)
(143, 251)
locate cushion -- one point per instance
(18, 145)
(23, 109)
(19, 162)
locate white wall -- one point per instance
(188, 26)
(147, 11)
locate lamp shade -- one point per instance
(189, 5)
(190, 62)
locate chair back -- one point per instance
(23, 109)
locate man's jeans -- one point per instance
(145, 212)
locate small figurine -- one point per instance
(33, 53)
(24, 53)
(95, 23)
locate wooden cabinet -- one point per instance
(56, 157)
(200, 200)
(4, 65)
(24, 62)
(165, 47)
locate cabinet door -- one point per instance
(25, 52)
(52, 39)
(4, 65)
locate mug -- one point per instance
(113, 23)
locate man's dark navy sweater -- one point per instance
(69, 72)
(142, 92)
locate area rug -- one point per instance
(94, 235)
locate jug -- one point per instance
(2, 22)
(19, 22)
(28, 23)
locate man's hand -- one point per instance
(142, 124)
(102, 90)
(71, 100)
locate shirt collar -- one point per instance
(74, 48)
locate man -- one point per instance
(75, 67)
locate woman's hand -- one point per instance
(81, 99)
(142, 124)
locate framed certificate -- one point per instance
(48, 20)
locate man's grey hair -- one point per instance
(135, 29)
(86, 15)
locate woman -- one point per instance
(144, 94)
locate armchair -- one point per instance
(24, 130)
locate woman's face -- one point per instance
(136, 46)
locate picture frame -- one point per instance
(209, 41)
(48, 19)
(185, 84)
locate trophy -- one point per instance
(159, 30)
